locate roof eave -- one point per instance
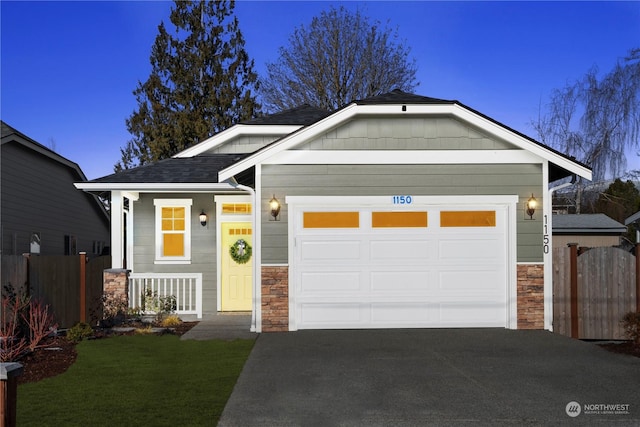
(234, 132)
(96, 187)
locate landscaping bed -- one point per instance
(58, 353)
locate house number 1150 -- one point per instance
(402, 200)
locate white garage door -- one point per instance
(399, 266)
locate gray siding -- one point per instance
(38, 195)
(385, 180)
(405, 134)
(244, 144)
(203, 242)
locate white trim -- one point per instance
(178, 203)
(157, 187)
(509, 202)
(257, 257)
(454, 110)
(220, 218)
(234, 132)
(116, 229)
(328, 201)
(400, 157)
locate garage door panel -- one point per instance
(389, 251)
(330, 250)
(328, 314)
(472, 250)
(400, 314)
(402, 281)
(476, 314)
(472, 281)
(330, 282)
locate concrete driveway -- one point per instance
(432, 377)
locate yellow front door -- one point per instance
(236, 273)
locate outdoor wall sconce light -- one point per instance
(274, 205)
(531, 205)
(203, 218)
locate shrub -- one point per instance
(114, 306)
(79, 331)
(24, 323)
(171, 321)
(631, 324)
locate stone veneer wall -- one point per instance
(275, 299)
(116, 283)
(531, 296)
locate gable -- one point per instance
(560, 166)
(405, 133)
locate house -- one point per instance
(588, 230)
(396, 211)
(41, 210)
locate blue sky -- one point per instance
(68, 69)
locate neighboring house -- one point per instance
(397, 211)
(41, 210)
(634, 219)
(588, 230)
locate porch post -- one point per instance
(116, 229)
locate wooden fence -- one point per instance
(70, 285)
(593, 291)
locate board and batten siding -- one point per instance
(38, 195)
(405, 134)
(203, 243)
(388, 180)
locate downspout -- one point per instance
(256, 244)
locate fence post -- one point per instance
(574, 289)
(9, 373)
(83, 286)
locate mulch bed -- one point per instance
(57, 354)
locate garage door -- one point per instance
(381, 266)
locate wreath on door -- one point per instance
(240, 251)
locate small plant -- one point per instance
(144, 331)
(152, 303)
(171, 321)
(79, 331)
(40, 323)
(631, 324)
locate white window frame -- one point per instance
(173, 203)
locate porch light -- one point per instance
(203, 218)
(274, 205)
(531, 205)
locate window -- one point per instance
(173, 231)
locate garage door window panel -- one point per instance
(468, 219)
(399, 219)
(331, 219)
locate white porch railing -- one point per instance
(186, 287)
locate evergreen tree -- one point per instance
(201, 82)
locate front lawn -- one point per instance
(138, 380)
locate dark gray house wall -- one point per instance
(38, 196)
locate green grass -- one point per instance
(138, 381)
